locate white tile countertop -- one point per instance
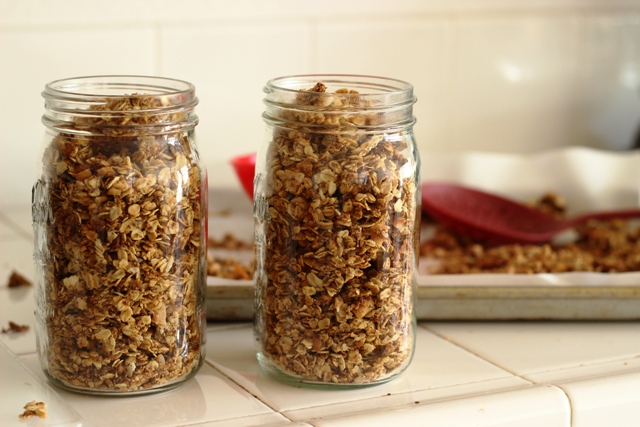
(534, 373)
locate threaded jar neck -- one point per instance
(341, 102)
(98, 105)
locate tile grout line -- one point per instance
(522, 377)
(411, 404)
(564, 393)
(477, 355)
(399, 407)
(525, 377)
(617, 360)
(283, 413)
(211, 364)
(14, 227)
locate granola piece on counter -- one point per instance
(14, 327)
(17, 280)
(34, 409)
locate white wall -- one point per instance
(493, 75)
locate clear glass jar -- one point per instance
(119, 217)
(337, 214)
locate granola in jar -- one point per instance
(119, 217)
(337, 210)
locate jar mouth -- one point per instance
(99, 88)
(339, 102)
(374, 90)
(96, 100)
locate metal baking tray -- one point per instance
(588, 179)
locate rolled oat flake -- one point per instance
(337, 213)
(119, 216)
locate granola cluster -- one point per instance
(34, 409)
(601, 246)
(340, 244)
(125, 248)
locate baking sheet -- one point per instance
(587, 179)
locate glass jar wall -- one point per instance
(337, 211)
(119, 215)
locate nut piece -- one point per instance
(336, 293)
(125, 242)
(34, 409)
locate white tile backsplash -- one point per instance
(514, 83)
(607, 113)
(495, 75)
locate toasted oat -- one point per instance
(337, 287)
(34, 409)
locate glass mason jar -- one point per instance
(119, 217)
(337, 213)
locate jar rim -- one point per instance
(95, 100)
(367, 102)
(372, 92)
(385, 85)
(101, 87)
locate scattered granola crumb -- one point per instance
(34, 409)
(17, 280)
(14, 327)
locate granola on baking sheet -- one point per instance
(610, 246)
(336, 290)
(125, 248)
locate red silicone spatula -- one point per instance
(494, 219)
